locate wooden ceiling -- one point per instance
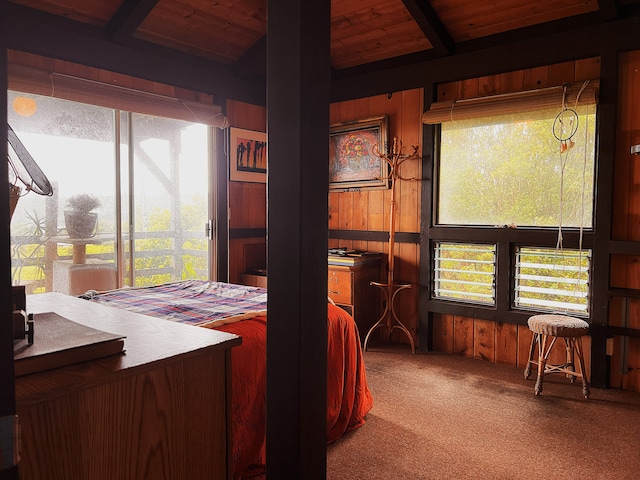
(233, 32)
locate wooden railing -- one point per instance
(33, 257)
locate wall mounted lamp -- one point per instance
(635, 149)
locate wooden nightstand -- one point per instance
(350, 288)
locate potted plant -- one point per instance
(79, 217)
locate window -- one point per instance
(465, 272)
(525, 161)
(552, 279)
(170, 198)
(73, 145)
(510, 170)
(166, 184)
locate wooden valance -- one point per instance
(585, 93)
(41, 82)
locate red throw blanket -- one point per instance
(348, 396)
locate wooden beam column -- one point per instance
(7, 384)
(298, 83)
(606, 128)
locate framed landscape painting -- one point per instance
(353, 160)
(247, 156)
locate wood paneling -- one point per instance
(105, 76)
(216, 30)
(370, 30)
(484, 335)
(247, 205)
(506, 343)
(247, 201)
(241, 257)
(467, 20)
(625, 269)
(94, 12)
(463, 336)
(369, 209)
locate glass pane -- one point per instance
(515, 171)
(553, 280)
(73, 145)
(465, 272)
(170, 198)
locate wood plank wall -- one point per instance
(368, 210)
(247, 201)
(91, 73)
(364, 210)
(485, 339)
(625, 269)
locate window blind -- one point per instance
(584, 93)
(31, 80)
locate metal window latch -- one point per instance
(209, 229)
(9, 441)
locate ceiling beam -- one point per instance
(586, 21)
(128, 18)
(608, 9)
(254, 60)
(585, 41)
(430, 24)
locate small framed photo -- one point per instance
(247, 156)
(353, 160)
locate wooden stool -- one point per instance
(546, 330)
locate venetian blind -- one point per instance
(66, 87)
(585, 93)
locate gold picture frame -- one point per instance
(247, 156)
(353, 163)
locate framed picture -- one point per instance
(247, 156)
(353, 163)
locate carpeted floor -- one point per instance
(439, 416)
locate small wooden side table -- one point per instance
(80, 274)
(80, 245)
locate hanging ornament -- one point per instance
(565, 126)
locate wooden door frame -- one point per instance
(7, 381)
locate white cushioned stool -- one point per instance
(546, 330)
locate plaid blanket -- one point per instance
(194, 302)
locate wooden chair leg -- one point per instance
(586, 390)
(542, 361)
(570, 346)
(527, 369)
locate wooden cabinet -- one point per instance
(158, 411)
(350, 287)
(253, 280)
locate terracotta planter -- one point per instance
(80, 224)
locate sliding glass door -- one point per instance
(148, 178)
(167, 175)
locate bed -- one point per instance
(241, 310)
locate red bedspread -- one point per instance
(211, 305)
(348, 396)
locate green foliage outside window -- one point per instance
(511, 171)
